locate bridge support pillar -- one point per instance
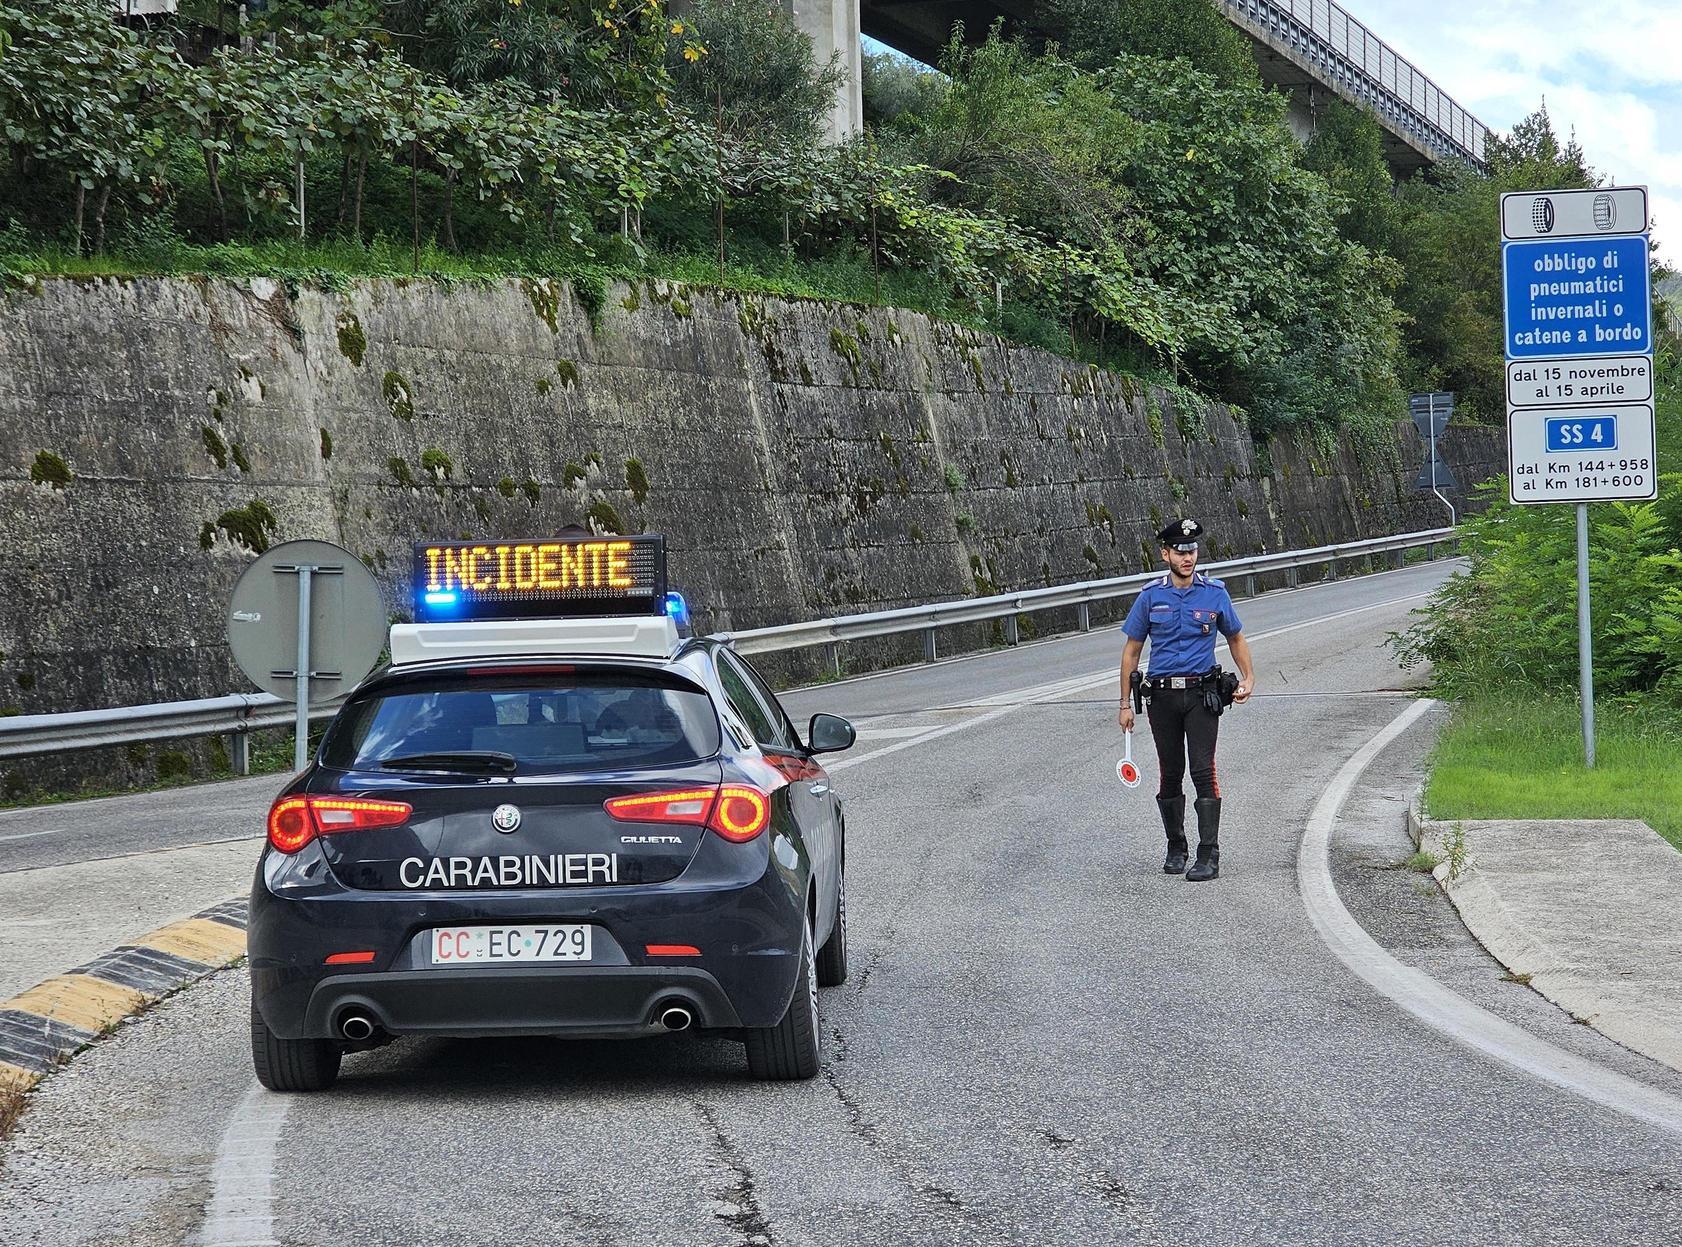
(833, 27)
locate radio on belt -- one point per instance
(541, 595)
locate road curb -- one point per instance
(1550, 970)
(42, 1028)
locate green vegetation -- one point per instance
(1127, 195)
(353, 343)
(251, 526)
(437, 464)
(1522, 757)
(50, 470)
(1422, 860)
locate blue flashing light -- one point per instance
(440, 599)
(678, 609)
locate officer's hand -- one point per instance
(1242, 692)
(1126, 719)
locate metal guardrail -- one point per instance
(1007, 606)
(1358, 65)
(239, 714)
(235, 716)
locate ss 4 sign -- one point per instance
(1565, 454)
(1582, 433)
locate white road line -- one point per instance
(30, 835)
(894, 733)
(1427, 999)
(1020, 699)
(241, 1212)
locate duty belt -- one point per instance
(1174, 681)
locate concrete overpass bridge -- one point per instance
(1311, 49)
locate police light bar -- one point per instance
(539, 578)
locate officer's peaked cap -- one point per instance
(1181, 535)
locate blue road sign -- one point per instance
(1577, 296)
(1569, 433)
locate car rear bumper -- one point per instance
(578, 1001)
(743, 910)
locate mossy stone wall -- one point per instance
(804, 459)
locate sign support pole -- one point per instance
(1585, 642)
(1451, 519)
(301, 743)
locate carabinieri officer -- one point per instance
(1181, 613)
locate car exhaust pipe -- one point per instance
(676, 1017)
(356, 1027)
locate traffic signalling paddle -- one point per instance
(1127, 770)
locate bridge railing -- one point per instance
(1357, 64)
(239, 714)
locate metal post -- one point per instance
(930, 653)
(239, 753)
(1585, 641)
(1249, 589)
(1331, 568)
(1084, 613)
(1290, 577)
(301, 746)
(1011, 637)
(834, 658)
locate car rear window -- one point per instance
(549, 723)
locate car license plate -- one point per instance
(465, 946)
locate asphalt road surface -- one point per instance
(1044, 1040)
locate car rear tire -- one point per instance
(292, 1064)
(789, 1050)
(832, 957)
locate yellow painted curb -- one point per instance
(198, 939)
(89, 1003)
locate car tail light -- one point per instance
(740, 813)
(689, 805)
(737, 812)
(295, 821)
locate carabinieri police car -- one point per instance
(552, 813)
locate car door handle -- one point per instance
(817, 790)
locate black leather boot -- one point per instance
(1174, 823)
(1208, 863)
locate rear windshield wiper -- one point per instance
(467, 760)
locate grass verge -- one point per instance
(1517, 756)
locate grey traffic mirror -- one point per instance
(830, 733)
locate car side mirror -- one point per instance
(830, 733)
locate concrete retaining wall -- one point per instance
(804, 459)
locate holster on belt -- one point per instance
(1136, 688)
(1219, 688)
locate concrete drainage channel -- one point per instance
(1581, 911)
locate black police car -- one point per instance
(528, 824)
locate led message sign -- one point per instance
(538, 577)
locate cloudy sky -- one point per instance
(1611, 73)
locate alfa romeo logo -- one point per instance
(506, 818)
